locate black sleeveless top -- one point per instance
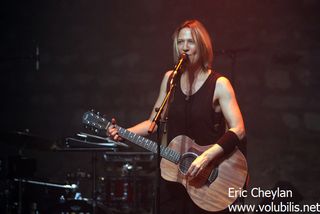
(194, 115)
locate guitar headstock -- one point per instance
(95, 121)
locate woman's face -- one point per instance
(188, 45)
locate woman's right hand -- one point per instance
(112, 131)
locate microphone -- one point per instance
(37, 57)
(182, 60)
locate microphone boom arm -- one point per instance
(159, 110)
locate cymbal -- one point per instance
(25, 140)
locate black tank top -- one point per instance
(194, 116)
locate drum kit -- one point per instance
(119, 180)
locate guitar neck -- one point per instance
(100, 123)
(150, 145)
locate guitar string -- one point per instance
(175, 154)
(185, 166)
(201, 175)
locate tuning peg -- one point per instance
(96, 130)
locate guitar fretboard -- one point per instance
(150, 145)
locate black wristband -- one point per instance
(228, 142)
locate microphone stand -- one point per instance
(156, 121)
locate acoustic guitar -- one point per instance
(210, 189)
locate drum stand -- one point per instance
(46, 184)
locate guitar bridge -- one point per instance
(213, 175)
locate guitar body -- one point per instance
(209, 190)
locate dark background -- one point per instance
(111, 56)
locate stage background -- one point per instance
(112, 55)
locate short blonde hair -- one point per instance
(202, 39)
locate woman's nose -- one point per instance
(185, 47)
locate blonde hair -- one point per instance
(202, 39)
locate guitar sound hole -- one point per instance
(186, 160)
